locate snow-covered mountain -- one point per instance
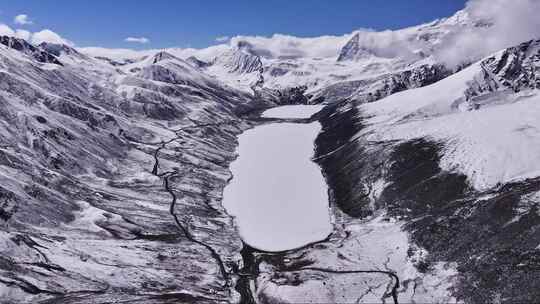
(113, 165)
(84, 211)
(341, 63)
(28, 49)
(457, 161)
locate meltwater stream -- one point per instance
(278, 196)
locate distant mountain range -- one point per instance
(113, 164)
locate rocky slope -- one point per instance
(483, 221)
(111, 180)
(112, 171)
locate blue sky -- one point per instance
(168, 23)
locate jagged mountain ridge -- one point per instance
(81, 208)
(113, 170)
(353, 50)
(244, 66)
(28, 49)
(457, 162)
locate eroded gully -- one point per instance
(246, 283)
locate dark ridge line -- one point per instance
(28, 287)
(28, 241)
(47, 266)
(215, 124)
(188, 235)
(75, 295)
(163, 144)
(166, 175)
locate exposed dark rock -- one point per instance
(160, 56)
(488, 234)
(111, 187)
(61, 49)
(339, 160)
(353, 50)
(194, 61)
(118, 63)
(492, 236)
(41, 119)
(293, 96)
(83, 219)
(517, 68)
(26, 48)
(239, 61)
(373, 89)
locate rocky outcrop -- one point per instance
(26, 48)
(82, 217)
(510, 71)
(162, 56)
(238, 61)
(117, 63)
(373, 89)
(353, 50)
(195, 62)
(517, 67)
(491, 235)
(111, 180)
(294, 95)
(62, 49)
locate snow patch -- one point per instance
(379, 243)
(87, 218)
(497, 143)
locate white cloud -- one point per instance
(6, 30)
(289, 46)
(494, 25)
(23, 34)
(116, 54)
(22, 19)
(513, 22)
(388, 44)
(35, 38)
(49, 36)
(142, 40)
(223, 39)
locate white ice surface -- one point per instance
(295, 111)
(278, 195)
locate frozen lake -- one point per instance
(278, 195)
(293, 111)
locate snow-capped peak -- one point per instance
(162, 56)
(353, 50)
(28, 49)
(61, 49)
(236, 60)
